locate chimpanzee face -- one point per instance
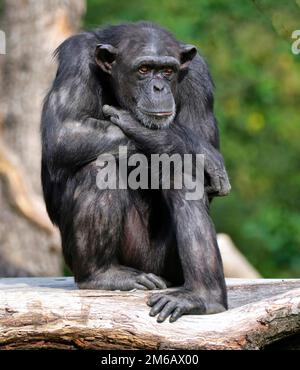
(144, 76)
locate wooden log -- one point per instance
(53, 313)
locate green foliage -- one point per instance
(248, 47)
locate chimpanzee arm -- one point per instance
(73, 128)
(197, 102)
(204, 289)
(73, 143)
(176, 139)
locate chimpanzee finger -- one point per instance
(154, 298)
(176, 314)
(110, 111)
(166, 311)
(158, 281)
(115, 120)
(225, 185)
(144, 280)
(215, 182)
(158, 306)
(139, 286)
(210, 190)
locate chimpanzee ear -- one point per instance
(105, 55)
(187, 54)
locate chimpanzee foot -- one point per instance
(149, 281)
(179, 302)
(123, 278)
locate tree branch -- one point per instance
(54, 314)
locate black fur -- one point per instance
(123, 239)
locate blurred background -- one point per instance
(247, 45)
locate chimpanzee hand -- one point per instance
(123, 278)
(215, 170)
(120, 117)
(179, 302)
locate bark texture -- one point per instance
(52, 313)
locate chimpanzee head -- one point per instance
(144, 67)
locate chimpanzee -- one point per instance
(134, 85)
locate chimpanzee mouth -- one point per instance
(158, 114)
(155, 119)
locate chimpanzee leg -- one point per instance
(92, 237)
(204, 289)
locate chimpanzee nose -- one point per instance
(158, 87)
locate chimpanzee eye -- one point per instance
(168, 72)
(144, 69)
